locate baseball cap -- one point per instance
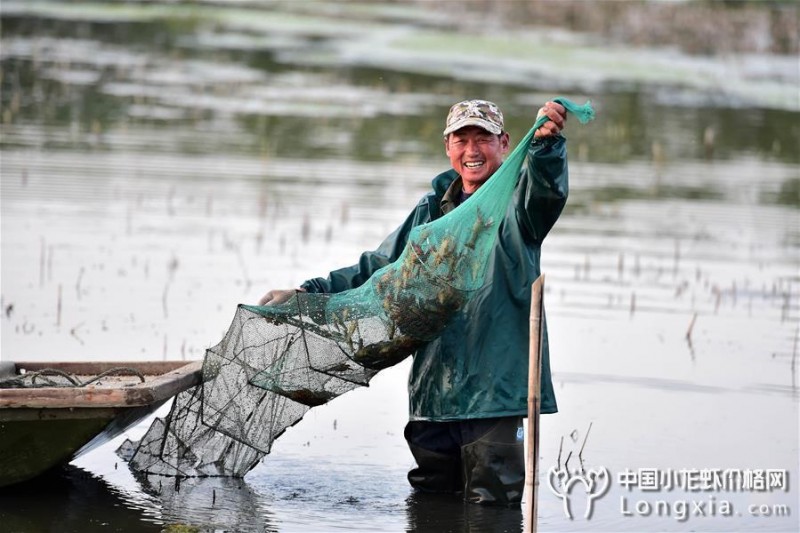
(481, 113)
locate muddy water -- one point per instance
(162, 164)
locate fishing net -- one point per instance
(276, 362)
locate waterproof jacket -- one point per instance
(478, 366)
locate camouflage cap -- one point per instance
(479, 113)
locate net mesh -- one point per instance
(276, 362)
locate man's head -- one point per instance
(474, 141)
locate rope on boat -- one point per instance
(50, 372)
(28, 380)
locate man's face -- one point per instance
(475, 154)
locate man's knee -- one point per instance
(438, 458)
(435, 472)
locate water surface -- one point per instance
(161, 164)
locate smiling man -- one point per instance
(468, 387)
(475, 142)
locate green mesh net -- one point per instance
(276, 362)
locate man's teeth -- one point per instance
(473, 164)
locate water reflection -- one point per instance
(448, 513)
(72, 500)
(147, 67)
(209, 503)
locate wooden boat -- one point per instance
(45, 426)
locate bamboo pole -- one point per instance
(534, 405)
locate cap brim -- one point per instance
(491, 127)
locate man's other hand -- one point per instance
(278, 296)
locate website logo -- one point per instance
(593, 483)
